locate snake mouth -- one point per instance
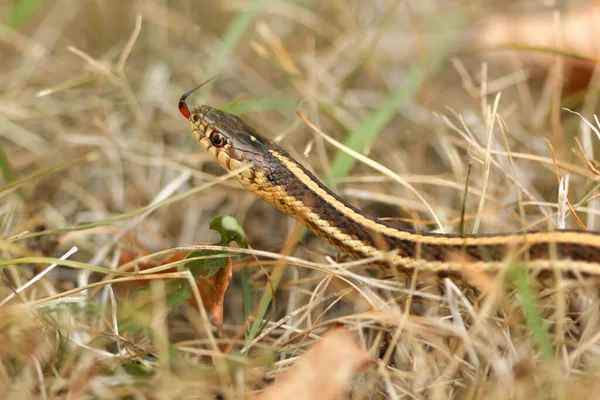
(201, 131)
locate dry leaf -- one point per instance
(578, 31)
(212, 290)
(324, 371)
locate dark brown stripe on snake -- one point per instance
(272, 174)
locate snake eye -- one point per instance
(217, 139)
(195, 118)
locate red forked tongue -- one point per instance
(183, 107)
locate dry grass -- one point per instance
(94, 149)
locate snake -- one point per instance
(269, 172)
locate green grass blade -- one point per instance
(40, 173)
(64, 263)
(67, 85)
(265, 301)
(131, 214)
(531, 310)
(21, 10)
(235, 32)
(5, 167)
(368, 131)
(246, 293)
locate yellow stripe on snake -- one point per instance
(272, 174)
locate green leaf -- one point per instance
(138, 370)
(198, 267)
(230, 231)
(178, 292)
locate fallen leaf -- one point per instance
(212, 290)
(324, 371)
(543, 36)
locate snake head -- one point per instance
(236, 146)
(230, 140)
(233, 143)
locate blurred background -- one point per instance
(464, 100)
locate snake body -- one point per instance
(268, 171)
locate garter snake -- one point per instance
(272, 174)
